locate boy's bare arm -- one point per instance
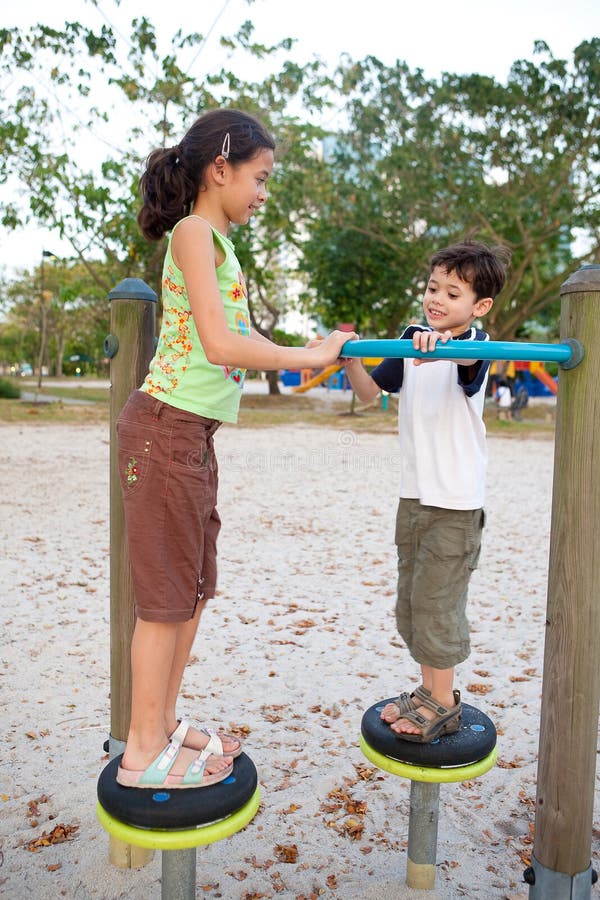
(362, 384)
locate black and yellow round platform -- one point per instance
(468, 753)
(164, 819)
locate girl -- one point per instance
(215, 177)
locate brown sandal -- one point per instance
(445, 721)
(405, 703)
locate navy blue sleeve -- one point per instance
(389, 374)
(471, 378)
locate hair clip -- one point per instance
(225, 147)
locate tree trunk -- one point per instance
(43, 334)
(273, 382)
(60, 347)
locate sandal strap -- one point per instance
(215, 744)
(194, 774)
(417, 718)
(426, 700)
(178, 736)
(404, 703)
(421, 693)
(157, 771)
(432, 727)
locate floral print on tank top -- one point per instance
(237, 292)
(177, 349)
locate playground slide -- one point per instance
(317, 379)
(540, 372)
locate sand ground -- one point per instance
(298, 643)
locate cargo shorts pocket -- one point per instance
(478, 526)
(133, 458)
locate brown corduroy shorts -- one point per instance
(169, 480)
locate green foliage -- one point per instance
(423, 164)
(285, 339)
(76, 309)
(418, 163)
(95, 208)
(9, 390)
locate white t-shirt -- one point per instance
(443, 453)
(503, 396)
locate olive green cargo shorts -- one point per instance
(438, 549)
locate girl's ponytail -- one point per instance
(167, 191)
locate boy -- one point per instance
(442, 482)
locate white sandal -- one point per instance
(215, 743)
(158, 773)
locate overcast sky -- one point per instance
(437, 35)
(464, 35)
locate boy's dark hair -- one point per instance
(173, 176)
(483, 267)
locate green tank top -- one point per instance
(179, 373)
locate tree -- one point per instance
(16, 346)
(95, 209)
(424, 163)
(73, 312)
(420, 163)
(536, 142)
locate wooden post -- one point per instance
(130, 346)
(571, 684)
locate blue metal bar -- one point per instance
(560, 353)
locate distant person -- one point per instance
(501, 370)
(443, 461)
(504, 400)
(520, 401)
(216, 176)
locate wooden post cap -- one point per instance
(133, 289)
(585, 279)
